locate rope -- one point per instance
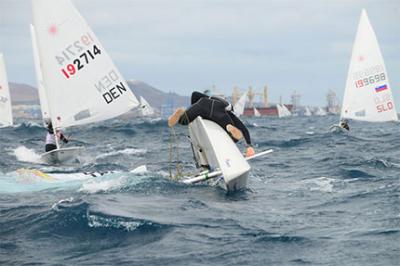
(174, 147)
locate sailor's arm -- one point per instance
(62, 137)
(238, 123)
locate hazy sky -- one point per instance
(182, 45)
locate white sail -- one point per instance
(307, 111)
(283, 111)
(82, 84)
(39, 77)
(6, 118)
(279, 110)
(239, 106)
(145, 107)
(368, 95)
(320, 112)
(286, 110)
(256, 112)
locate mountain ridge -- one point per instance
(24, 94)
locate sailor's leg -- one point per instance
(239, 125)
(185, 117)
(234, 132)
(174, 118)
(225, 121)
(196, 96)
(192, 113)
(50, 147)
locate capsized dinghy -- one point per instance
(213, 148)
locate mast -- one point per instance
(265, 96)
(235, 95)
(250, 95)
(36, 58)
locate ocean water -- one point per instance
(320, 199)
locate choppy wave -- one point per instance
(25, 154)
(31, 125)
(286, 143)
(128, 151)
(107, 183)
(323, 184)
(123, 223)
(319, 193)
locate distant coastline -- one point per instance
(25, 99)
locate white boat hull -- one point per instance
(61, 156)
(212, 146)
(337, 129)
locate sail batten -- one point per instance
(81, 82)
(368, 95)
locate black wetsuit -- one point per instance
(50, 147)
(345, 126)
(214, 109)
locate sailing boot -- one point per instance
(234, 131)
(174, 118)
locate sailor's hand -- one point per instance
(250, 151)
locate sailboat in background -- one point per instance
(239, 106)
(80, 83)
(6, 117)
(283, 111)
(307, 111)
(368, 95)
(256, 112)
(320, 112)
(145, 107)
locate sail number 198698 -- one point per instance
(370, 80)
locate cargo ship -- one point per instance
(265, 111)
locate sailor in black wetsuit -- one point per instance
(215, 109)
(345, 124)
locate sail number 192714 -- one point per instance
(80, 62)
